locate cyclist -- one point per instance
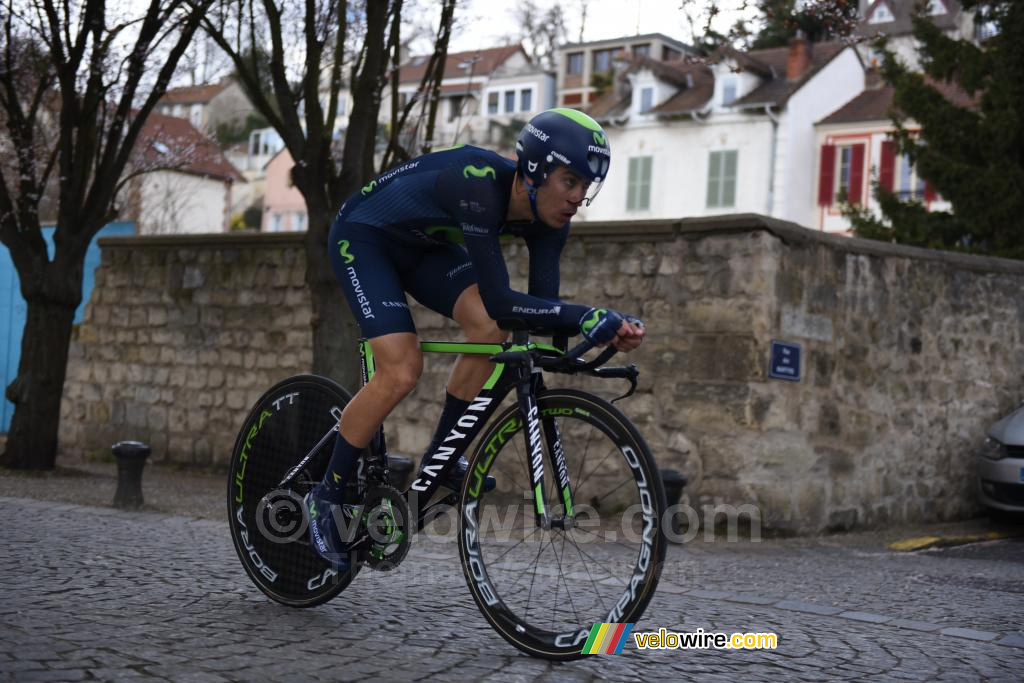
(431, 227)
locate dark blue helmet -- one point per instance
(563, 137)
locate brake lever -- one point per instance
(628, 372)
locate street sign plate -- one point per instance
(785, 361)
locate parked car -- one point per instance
(1001, 464)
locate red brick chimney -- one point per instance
(799, 57)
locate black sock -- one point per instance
(453, 410)
(340, 470)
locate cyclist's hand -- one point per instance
(630, 334)
(601, 325)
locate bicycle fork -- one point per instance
(533, 425)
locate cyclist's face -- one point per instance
(560, 196)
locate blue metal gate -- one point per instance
(13, 308)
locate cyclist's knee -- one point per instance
(485, 331)
(400, 378)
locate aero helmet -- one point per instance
(563, 137)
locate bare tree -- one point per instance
(543, 28)
(427, 95)
(76, 86)
(290, 57)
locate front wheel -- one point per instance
(268, 522)
(544, 590)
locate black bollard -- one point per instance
(674, 482)
(400, 467)
(131, 458)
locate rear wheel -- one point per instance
(543, 590)
(268, 523)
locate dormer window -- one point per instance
(729, 87)
(881, 14)
(646, 99)
(936, 8)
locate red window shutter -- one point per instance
(929, 192)
(887, 169)
(856, 175)
(826, 175)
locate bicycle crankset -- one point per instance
(388, 528)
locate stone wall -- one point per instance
(909, 355)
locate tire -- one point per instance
(543, 591)
(269, 525)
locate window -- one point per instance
(454, 107)
(572, 98)
(403, 99)
(602, 60)
(722, 179)
(525, 100)
(881, 15)
(729, 86)
(638, 188)
(842, 173)
(196, 115)
(641, 50)
(896, 174)
(668, 53)
(646, 100)
(574, 64)
(510, 101)
(492, 103)
(276, 222)
(910, 186)
(299, 223)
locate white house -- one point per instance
(735, 134)
(181, 181)
(855, 147)
(486, 96)
(893, 20)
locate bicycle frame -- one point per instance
(506, 377)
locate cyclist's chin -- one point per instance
(556, 220)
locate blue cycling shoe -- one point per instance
(458, 473)
(324, 533)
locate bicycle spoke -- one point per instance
(590, 576)
(596, 468)
(632, 549)
(561, 574)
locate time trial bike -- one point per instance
(570, 536)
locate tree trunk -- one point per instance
(335, 333)
(36, 392)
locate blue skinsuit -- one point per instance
(433, 227)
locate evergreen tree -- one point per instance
(971, 153)
(818, 20)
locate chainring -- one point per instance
(388, 525)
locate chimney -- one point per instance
(799, 57)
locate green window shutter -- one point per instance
(631, 185)
(645, 183)
(729, 178)
(714, 178)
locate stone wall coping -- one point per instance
(240, 239)
(652, 230)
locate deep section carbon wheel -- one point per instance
(544, 589)
(268, 523)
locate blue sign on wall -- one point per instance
(13, 309)
(785, 361)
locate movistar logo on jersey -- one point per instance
(343, 250)
(369, 188)
(592, 321)
(600, 139)
(472, 170)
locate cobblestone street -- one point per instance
(92, 593)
